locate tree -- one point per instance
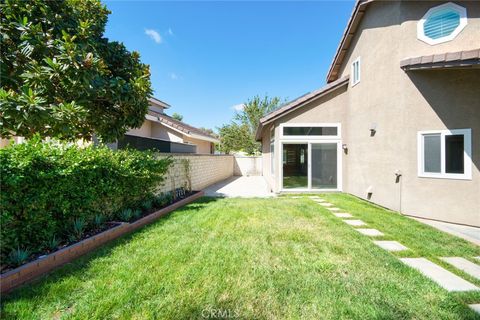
(236, 137)
(254, 109)
(177, 116)
(61, 78)
(239, 135)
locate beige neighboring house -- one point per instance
(398, 122)
(166, 134)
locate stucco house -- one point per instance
(166, 134)
(398, 122)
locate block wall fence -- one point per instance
(205, 170)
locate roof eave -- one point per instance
(294, 105)
(348, 34)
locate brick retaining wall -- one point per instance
(41, 266)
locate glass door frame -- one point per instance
(309, 142)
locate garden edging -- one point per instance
(32, 270)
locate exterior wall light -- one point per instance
(373, 129)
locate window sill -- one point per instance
(446, 176)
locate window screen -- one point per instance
(441, 23)
(432, 156)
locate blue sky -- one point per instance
(207, 57)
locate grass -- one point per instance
(253, 259)
(293, 182)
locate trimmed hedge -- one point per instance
(47, 188)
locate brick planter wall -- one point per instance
(41, 266)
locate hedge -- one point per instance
(48, 188)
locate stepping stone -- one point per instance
(464, 265)
(343, 215)
(295, 197)
(442, 277)
(354, 223)
(390, 245)
(370, 232)
(326, 204)
(334, 209)
(475, 307)
(314, 197)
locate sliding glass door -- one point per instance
(324, 166)
(311, 165)
(295, 166)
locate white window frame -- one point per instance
(467, 158)
(452, 6)
(296, 138)
(272, 154)
(358, 63)
(309, 140)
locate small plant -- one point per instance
(53, 244)
(125, 215)
(98, 221)
(18, 257)
(78, 228)
(136, 214)
(147, 205)
(159, 200)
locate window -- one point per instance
(445, 154)
(310, 131)
(442, 23)
(272, 151)
(355, 71)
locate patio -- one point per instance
(240, 186)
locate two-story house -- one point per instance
(398, 122)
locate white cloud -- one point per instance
(154, 35)
(170, 32)
(173, 76)
(238, 107)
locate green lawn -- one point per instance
(254, 259)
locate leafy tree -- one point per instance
(236, 137)
(239, 135)
(254, 109)
(177, 116)
(62, 78)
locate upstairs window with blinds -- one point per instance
(442, 23)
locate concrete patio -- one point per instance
(240, 186)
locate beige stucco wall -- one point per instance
(144, 131)
(205, 170)
(162, 132)
(203, 147)
(401, 104)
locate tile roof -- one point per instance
(344, 45)
(179, 125)
(470, 58)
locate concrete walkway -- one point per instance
(468, 233)
(244, 187)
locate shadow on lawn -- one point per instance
(78, 267)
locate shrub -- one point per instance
(46, 186)
(78, 228)
(98, 221)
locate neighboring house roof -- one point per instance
(348, 34)
(460, 59)
(158, 102)
(299, 102)
(181, 127)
